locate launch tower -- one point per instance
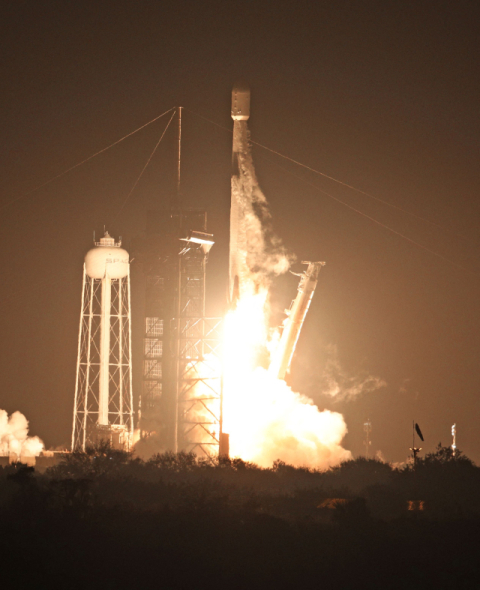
(181, 385)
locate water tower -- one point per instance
(103, 407)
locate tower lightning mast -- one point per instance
(180, 401)
(179, 136)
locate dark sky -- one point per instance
(381, 95)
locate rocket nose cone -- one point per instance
(240, 102)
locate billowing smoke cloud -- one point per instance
(14, 439)
(269, 421)
(338, 384)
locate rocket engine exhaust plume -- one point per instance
(264, 418)
(14, 439)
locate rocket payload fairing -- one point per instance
(238, 268)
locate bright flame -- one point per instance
(265, 419)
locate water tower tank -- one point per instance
(107, 257)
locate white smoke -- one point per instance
(261, 251)
(269, 421)
(14, 439)
(338, 384)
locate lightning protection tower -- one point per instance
(181, 389)
(103, 407)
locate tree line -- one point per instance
(108, 519)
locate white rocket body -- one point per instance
(240, 103)
(238, 270)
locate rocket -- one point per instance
(241, 102)
(238, 224)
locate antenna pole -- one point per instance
(454, 442)
(414, 449)
(367, 427)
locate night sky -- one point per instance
(383, 96)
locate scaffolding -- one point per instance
(200, 386)
(180, 403)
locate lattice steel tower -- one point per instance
(103, 408)
(181, 389)
(180, 402)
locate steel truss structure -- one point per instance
(181, 389)
(104, 344)
(197, 351)
(200, 386)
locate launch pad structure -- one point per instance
(180, 403)
(181, 399)
(181, 373)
